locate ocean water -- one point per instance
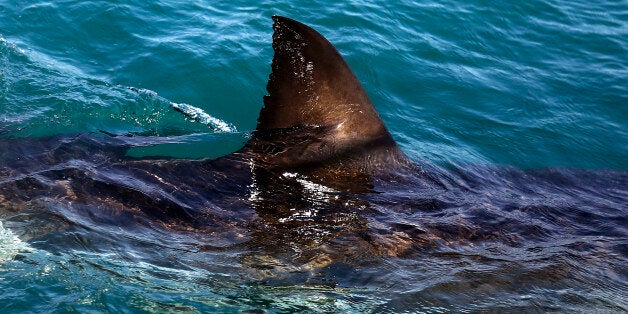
(522, 85)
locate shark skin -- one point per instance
(318, 183)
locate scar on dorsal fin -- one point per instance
(311, 87)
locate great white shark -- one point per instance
(320, 181)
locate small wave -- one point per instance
(11, 46)
(70, 73)
(197, 114)
(192, 112)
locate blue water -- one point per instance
(527, 84)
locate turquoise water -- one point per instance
(530, 84)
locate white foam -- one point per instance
(10, 245)
(194, 113)
(197, 114)
(12, 46)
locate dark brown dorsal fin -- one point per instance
(317, 112)
(312, 85)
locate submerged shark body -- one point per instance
(318, 145)
(320, 182)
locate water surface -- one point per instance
(485, 96)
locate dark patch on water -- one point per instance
(541, 239)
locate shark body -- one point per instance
(320, 182)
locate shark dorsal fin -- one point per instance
(312, 90)
(311, 84)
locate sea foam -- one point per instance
(10, 245)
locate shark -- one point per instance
(320, 182)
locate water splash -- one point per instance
(10, 245)
(197, 114)
(11, 46)
(192, 112)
